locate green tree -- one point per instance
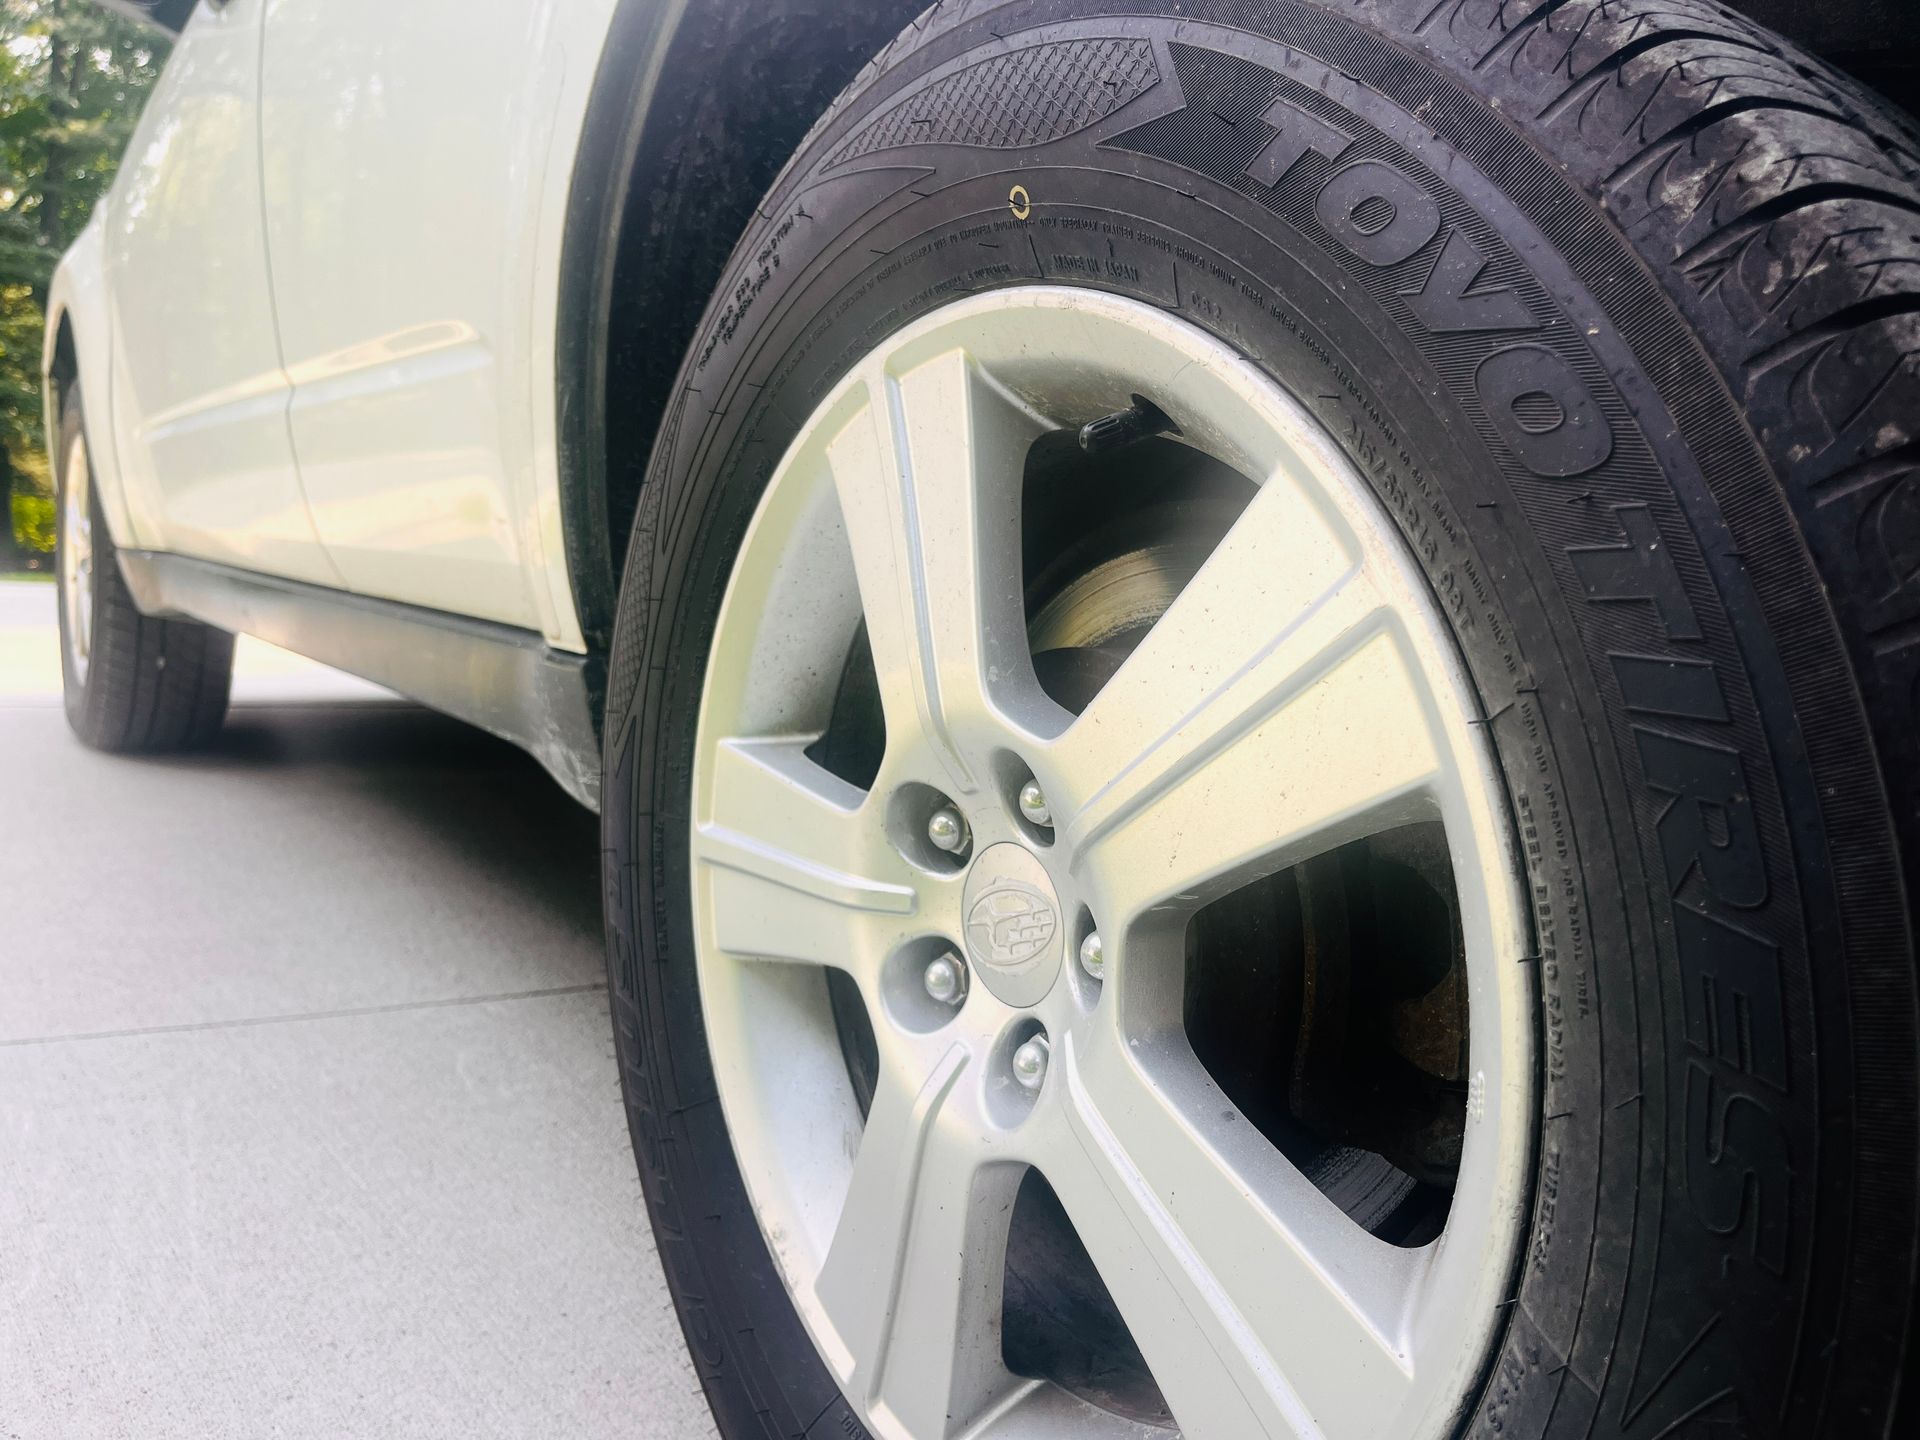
(72, 80)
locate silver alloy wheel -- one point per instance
(76, 555)
(1300, 692)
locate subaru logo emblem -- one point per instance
(1010, 923)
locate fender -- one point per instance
(78, 346)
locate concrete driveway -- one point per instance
(309, 1123)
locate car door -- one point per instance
(403, 150)
(198, 395)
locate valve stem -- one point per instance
(1123, 427)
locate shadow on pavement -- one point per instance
(455, 788)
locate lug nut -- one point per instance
(947, 830)
(946, 979)
(1030, 1062)
(1093, 955)
(1033, 804)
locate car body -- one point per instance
(334, 358)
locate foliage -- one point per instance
(20, 448)
(33, 518)
(72, 80)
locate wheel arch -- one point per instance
(63, 366)
(694, 109)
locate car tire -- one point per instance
(132, 683)
(1614, 307)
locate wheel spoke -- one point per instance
(793, 866)
(928, 475)
(1260, 1308)
(1271, 710)
(912, 1281)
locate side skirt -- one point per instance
(507, 681)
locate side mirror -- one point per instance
(167, 15)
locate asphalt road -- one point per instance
(308, 1114)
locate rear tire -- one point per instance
(1616, 304)
(133, 683)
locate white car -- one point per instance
(1252, 669)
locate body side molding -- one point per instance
(507, 681)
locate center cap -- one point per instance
(1012, 922)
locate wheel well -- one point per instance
(65, 368)
(695, 109)
(1873, 40)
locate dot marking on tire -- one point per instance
(1019, 202)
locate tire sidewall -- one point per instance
(1688, 1213)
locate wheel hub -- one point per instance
(1012, 923)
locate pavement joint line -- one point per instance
(248, 1022)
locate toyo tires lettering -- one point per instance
(1737, 1163)
(1738, 1168)
(1543, 411)
(1541, 408)
(1379, 214)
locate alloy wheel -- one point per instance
(973, 958)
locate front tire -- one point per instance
(132, 683)
(1612, 306)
